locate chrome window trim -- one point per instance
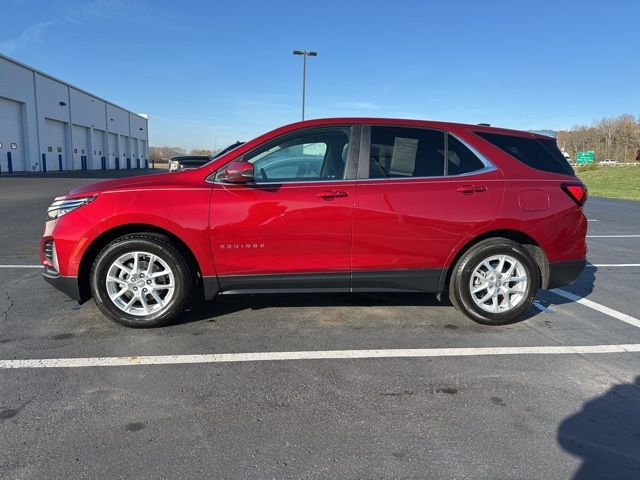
(487, 163)
(488, 167)
(258, 184)
(352, 158)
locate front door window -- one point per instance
(313, 156)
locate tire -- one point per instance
(167, 293)
(473, 284)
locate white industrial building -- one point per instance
(48, 125)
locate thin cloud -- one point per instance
(123, 11)
(30, 36)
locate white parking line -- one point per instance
(314, 355)
(600, 308)
(613, 265)
(613, 236)
(20, 266)
(542, 308)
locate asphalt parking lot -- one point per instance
(324, 386)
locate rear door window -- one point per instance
(401, 152)
(406, 152)
(541, 154)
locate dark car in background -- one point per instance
(187, 162)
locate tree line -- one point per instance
(164, 154)
(615, 138)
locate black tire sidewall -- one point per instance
(464, 269)
(148, 244)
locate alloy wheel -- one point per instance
(498, 284)
(140, 283)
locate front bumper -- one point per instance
(564, 273)
(67, 285)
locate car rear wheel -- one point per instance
(141, 280)
(494, 282)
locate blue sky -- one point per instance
(210, 73)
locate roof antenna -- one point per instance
(484, 124)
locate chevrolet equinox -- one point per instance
(485, 215)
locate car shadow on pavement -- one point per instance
(582, 287)
(228, 304)
(605, 434)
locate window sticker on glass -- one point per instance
(403, 160)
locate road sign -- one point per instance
(586, 157)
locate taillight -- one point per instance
(577, 192)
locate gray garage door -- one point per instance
(135, 159)
(80, 146)
(54, 144)
(111, 159)
(143, 152)
(11, 135)
(125, 151)
(98, 149)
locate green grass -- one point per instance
(612, 182)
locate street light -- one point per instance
(304, 54)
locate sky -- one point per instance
(210, 73)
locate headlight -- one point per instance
(61, 207)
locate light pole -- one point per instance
(304, 54)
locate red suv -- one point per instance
(334, 205)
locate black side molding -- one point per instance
(418, 280)
(67, 285)
(564, 273)
(288, 282)
(211, 287)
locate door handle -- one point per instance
(468, 189)
(332, 194)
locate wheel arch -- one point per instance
(103, 239)
(528, 242)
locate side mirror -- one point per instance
(237, 172)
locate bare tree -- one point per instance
(201, 151)
(617, 138)
(164, 154)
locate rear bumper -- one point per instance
(564, 273)
(67, 285)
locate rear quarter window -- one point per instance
(541, 154)
(460, 160)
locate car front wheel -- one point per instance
(141, 280)
(494, 282)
